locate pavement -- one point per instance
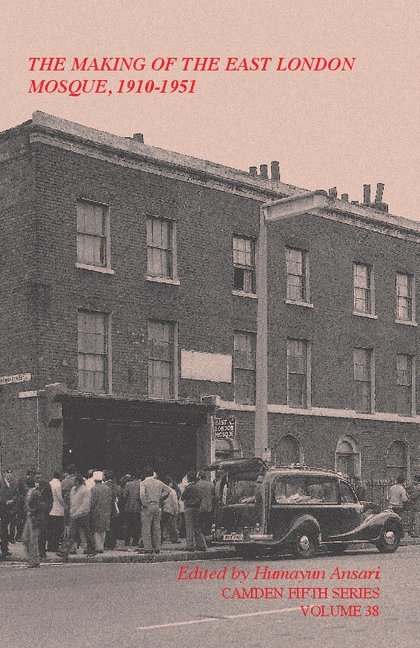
(169, 553)
(122, 554)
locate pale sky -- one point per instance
(339, 129)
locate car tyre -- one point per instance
(337, 549)
(390, 538)
(305, 543)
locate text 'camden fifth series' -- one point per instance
(358, 588)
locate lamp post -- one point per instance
(282, 209)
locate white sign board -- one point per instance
(15, 378)
(206, 366)
(224, 428)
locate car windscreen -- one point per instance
(240, 489)
(304, 489)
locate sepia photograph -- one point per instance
(209, 324)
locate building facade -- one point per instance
(129, 314)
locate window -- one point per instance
(363, 293)
(244, 367)
(288, 451)
(161, 363)
(348, 459)
(305, 490)
(346, 493)
(93, 235)
(404, 294)
(398, 461)
(363, 380)
(224, 449)
(405, 391)
(160, 248)
(297, 267)
(298, 373)
(241, 489)
(93, 352)
(244, 264)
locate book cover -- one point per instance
(186, 189)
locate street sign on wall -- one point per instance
(15, 378)
(224, 428)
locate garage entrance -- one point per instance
(124, 436)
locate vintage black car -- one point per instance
(295, 509)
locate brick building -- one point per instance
(129, 299)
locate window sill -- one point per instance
(405, 322)
(367, 315)
(164, 280)
(93, 268)
(300, 407)
(241, 293)
(298, 303)
(166, 399)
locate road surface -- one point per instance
(147, 606)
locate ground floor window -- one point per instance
(289, 451)
(397, 461)
(226, 449)
(347, 457)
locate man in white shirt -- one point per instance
(56, 515)
(152, 493)
(90, 482)
(398, 495)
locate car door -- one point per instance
(350, 508)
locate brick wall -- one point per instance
(330, 326)
(205, 221)
(18, 325)
(39, 322)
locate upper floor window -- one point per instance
(93, 359)
(161, 359)
(160, 248)
(405, 384)
(93, 234)
(404, 295)
(363, 289)
(363, 380)
(298, 373)
(297, 271)
(244, 264)
(244, 367)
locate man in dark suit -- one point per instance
(47, 497)
(132, 507)
(7, 498)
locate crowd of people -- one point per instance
(94, 511)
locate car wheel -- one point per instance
(337, 548)
(390, 538)
(246, 551)
(305, 544)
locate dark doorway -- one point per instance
(97, 435)
(126, 448)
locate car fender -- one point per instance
(371, 527)
(303, 521)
